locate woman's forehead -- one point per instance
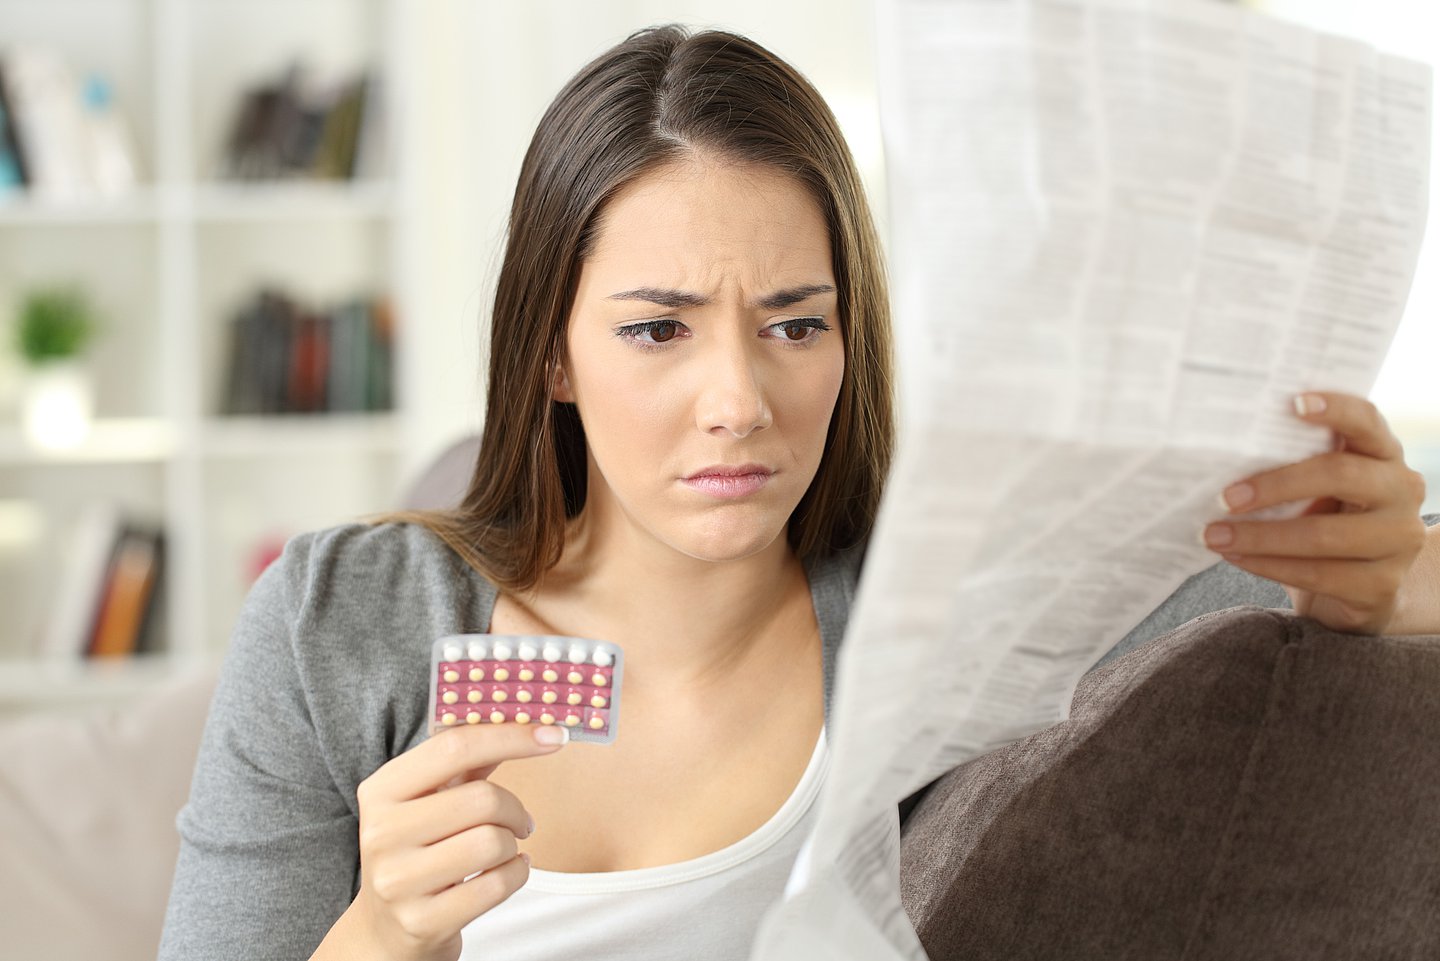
(693, 222)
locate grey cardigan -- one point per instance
(327, 677)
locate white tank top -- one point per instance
(704, 909)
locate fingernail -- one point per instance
(1306, 404)
(1237, 495)
(531, 830)
(1218, 535)
(551, 734)
(525, 857)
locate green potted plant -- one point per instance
(55, 327)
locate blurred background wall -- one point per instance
(286, 233)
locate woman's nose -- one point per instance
(732, 396)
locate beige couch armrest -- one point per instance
(87, 823)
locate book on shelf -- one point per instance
(61, 138)
(82, 580)
(298, 128)
(109, 602)
(13, 175)
(130, 588)
(285, 358)
(338, 148)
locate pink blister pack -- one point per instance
(527, 679)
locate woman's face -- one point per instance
(705, 338)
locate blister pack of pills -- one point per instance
(527, 679)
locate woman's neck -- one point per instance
(685, 624)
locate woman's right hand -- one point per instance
(429, 819)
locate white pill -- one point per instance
(527, 651)
(552, 652)
(477, 650)
(452, 652)
(577, 654)
(603, 657)
(502, 651)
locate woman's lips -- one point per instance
(722, 485)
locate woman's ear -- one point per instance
(560, 385)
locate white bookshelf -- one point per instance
(168, 265)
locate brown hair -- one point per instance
(658, 97)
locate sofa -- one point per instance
(1247, 784)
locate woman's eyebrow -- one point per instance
(667, 297)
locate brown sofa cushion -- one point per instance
(1249, 785)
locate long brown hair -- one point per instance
(656, 98)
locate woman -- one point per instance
(688, 426)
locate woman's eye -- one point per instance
(804, 330)
(663, 331)
(659, 331)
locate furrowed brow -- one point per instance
(667, 297)
(784, 298)
(663, 296)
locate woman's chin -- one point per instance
(728, 541)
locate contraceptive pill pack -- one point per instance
(573, 682)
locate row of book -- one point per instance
(110, 602)
(61, 137)
(299, 128)
(287, 358)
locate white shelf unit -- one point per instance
(167, 267)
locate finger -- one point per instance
(417, 873)
(1338, 615)
(1360, 584)
(451, 861)
(444, 814)
(1355, 419)
(1334, 476)
(473, 750)
(1368, 536)
(457, 907)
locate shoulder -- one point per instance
(835, 576)
(358, 553)
(849, 561)
(348, 614)
(358, 571)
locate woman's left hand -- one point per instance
(1344, 559)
